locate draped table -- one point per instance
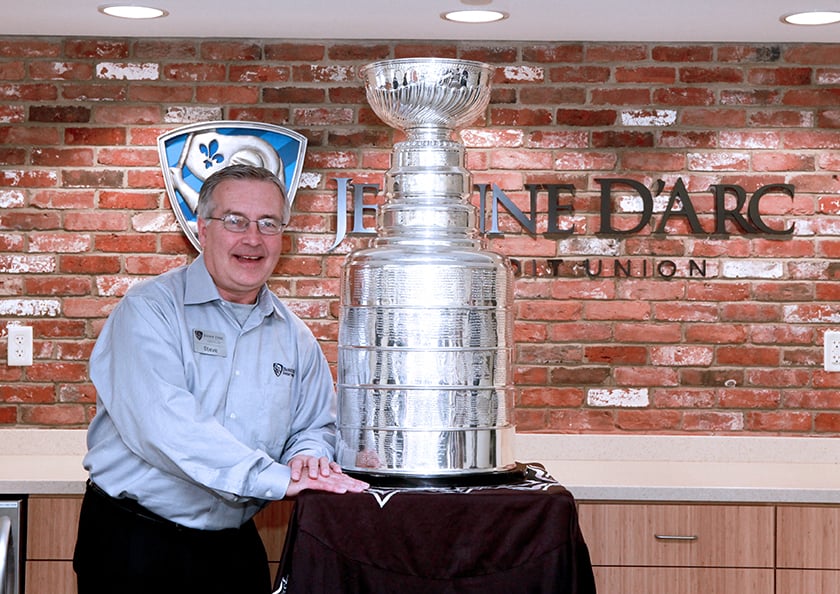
(516, 538)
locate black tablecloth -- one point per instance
(514, 539)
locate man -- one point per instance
(212, 399)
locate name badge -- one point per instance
(209, 343)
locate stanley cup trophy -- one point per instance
(425, 330)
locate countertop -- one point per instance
(717, 469)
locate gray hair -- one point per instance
(206, 203)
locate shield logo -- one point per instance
(190, 154)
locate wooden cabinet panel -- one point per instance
(50, 577)
(52, 523)
(685, 580)
(808, 537)
(272, 522)
(679, 535)
(807, 581)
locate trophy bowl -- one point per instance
(413, 93)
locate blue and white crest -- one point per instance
(191, 154)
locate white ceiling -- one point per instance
(530, 20)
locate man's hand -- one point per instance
(320, 474)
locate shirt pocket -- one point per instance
(273, 414)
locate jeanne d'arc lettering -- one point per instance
(733, 207)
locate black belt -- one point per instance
(132, 507)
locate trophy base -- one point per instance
(509, 476)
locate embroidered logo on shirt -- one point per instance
(279, 370)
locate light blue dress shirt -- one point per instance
(197, 414)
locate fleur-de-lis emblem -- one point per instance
(211, 153)
(191, 154)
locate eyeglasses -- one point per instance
(239, 224)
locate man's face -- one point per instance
(240, 263)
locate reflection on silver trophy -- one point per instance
(425, 329)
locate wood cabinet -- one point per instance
(808, 549)
(50, 539)
(51, 536)
(272, 523)
(680, 548)
(636, 548)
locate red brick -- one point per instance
(61, 71)
(57, 285)
(566, 94)
(713, 117)
(148, 49)
(28, 393)
(186, 72)
(89, 264)
(367, 52)
(616, 355)
(711, 421)
(778, 421)
(682, 53)
(29, 47)
(230, 51)
(20, 135)
(694, 75)
(161, 93)
(294, 52)
(781, 118)
(12, 71)
(586, 117)
(683, 96)
(98, 49)
(810, 54)
(214, 94)
(63, 157)
(53, 415)
(579, 421)
(125, 243)
(520, 117)
(543, 397)
(95, 136)
(502, 53)
(570, 52)
(152, 265)
(616, 52)
(579, 74)
(648, 421)
(622, 96)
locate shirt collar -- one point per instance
(200, 288)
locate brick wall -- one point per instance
(614, 333)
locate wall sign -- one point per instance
(732, 204)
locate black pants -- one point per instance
(127, 550)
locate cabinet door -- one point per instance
(810, 581)
(272, 523)
(53, 577)
(679, 535)
(52, 523)
(808, 537)
(685, 580)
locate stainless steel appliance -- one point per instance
(425, 327)
(11, 545)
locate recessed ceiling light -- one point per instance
(474, 16)
(815, 17)
(132, 11)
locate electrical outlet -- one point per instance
(831, 351)
(20, 345)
